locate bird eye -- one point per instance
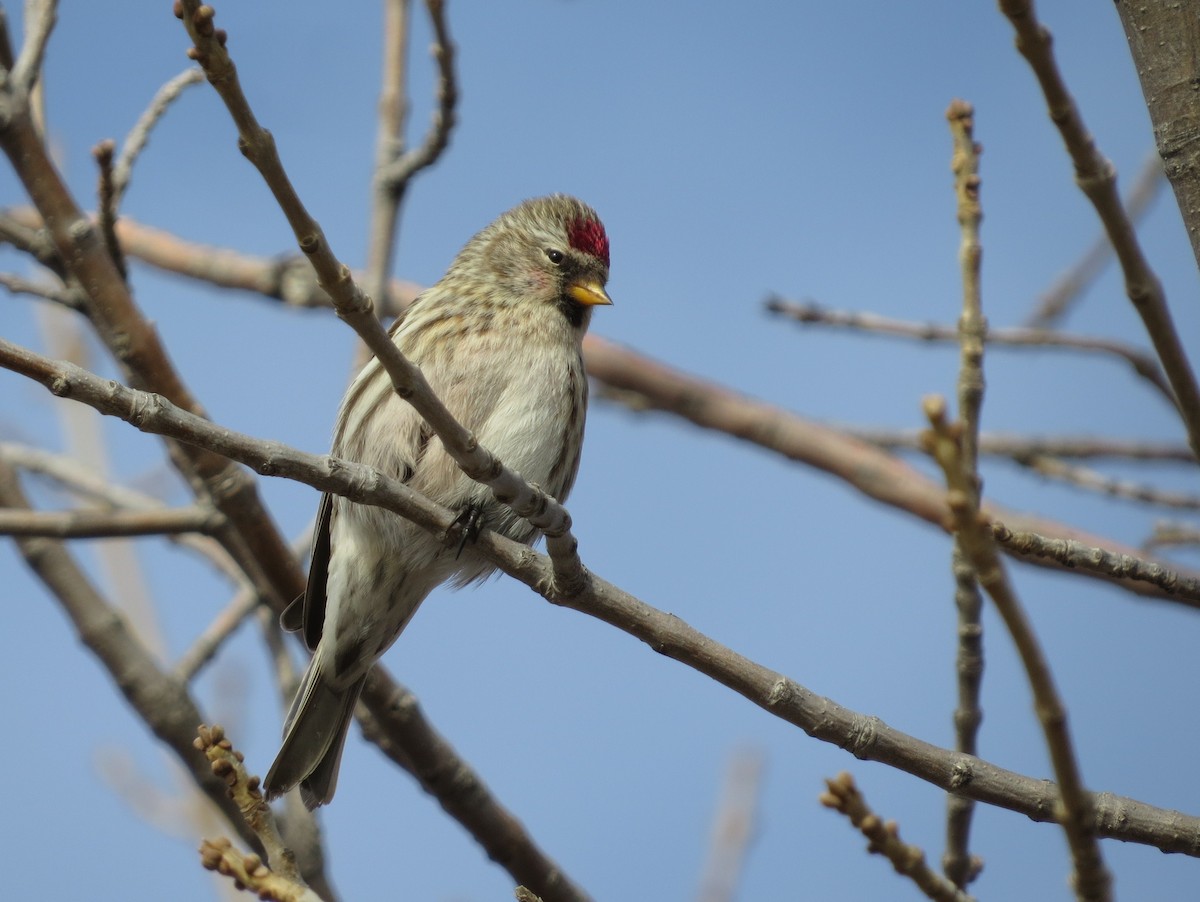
(556, 256)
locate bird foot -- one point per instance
(466, 527)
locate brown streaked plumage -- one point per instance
(498, 339)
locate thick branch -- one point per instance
(1165, 46)
(865, 737)
(1098, 180)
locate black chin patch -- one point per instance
(572, 310)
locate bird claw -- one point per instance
(467, 525)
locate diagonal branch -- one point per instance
(822, 718)
(1091, 878)
(1143, 364)
(163, 703)
(1098, 180)
(356, 309)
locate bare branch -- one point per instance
(999, 444)
(227, 764)
(1091, 878)
(40, 18)
(733, 828)
(1098, 180)
(875, 473)
(398, 727)
(1054, 302)
(1167, 533)
(1106, 485)
(65, 297)
(1143, 364)
(162, 703)
(139, 135)
(389, 143)
(93, 524)
(843, 796)
(402, 169)
(6, 47)
(355, 308)
(1164, 46)
(972, 334)
(107, 199)
(1087, 558)
(822, 718)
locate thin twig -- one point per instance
(228, 765)
(1092, 559)
(356, 309)
(1091, 878)
(6, 47)
(733, 827)
(389, 143)
(1089, 479)
(106, 193)
(205, 646)
(842, 795)
(822, 718)
(160, 701)
(401, 171)
(1167, 533)
(998, 444)
(1143, 364)
(135, 142)
(1097, 179)
(40, 18)
(1053, 304)
(94, 524)
(960, 866)
(72, 300)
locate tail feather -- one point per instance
(313, 739)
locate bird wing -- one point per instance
(307, 612)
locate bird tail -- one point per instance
(313, 738)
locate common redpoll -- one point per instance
(498, 338)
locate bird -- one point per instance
(499, 339)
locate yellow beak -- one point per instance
(590, 294)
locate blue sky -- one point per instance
(732, 152)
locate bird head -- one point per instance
(551, 251)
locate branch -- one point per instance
(1164, 46)
(394, 168)
(135, 142)
(65, 297)
(1143, 364)
(1106, 485)
(162, 702)
(403, 168)
(94, 524)
(40, 18)
(875, 473)
(1018, 447)
(733, 828)
(1053, 303)
(843, 796)
(355, 308)
(228, 765)
(1077, 555)
(1098, 180)
(398, 727)
(1092, 880)
(865, 737)
(957, 860)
